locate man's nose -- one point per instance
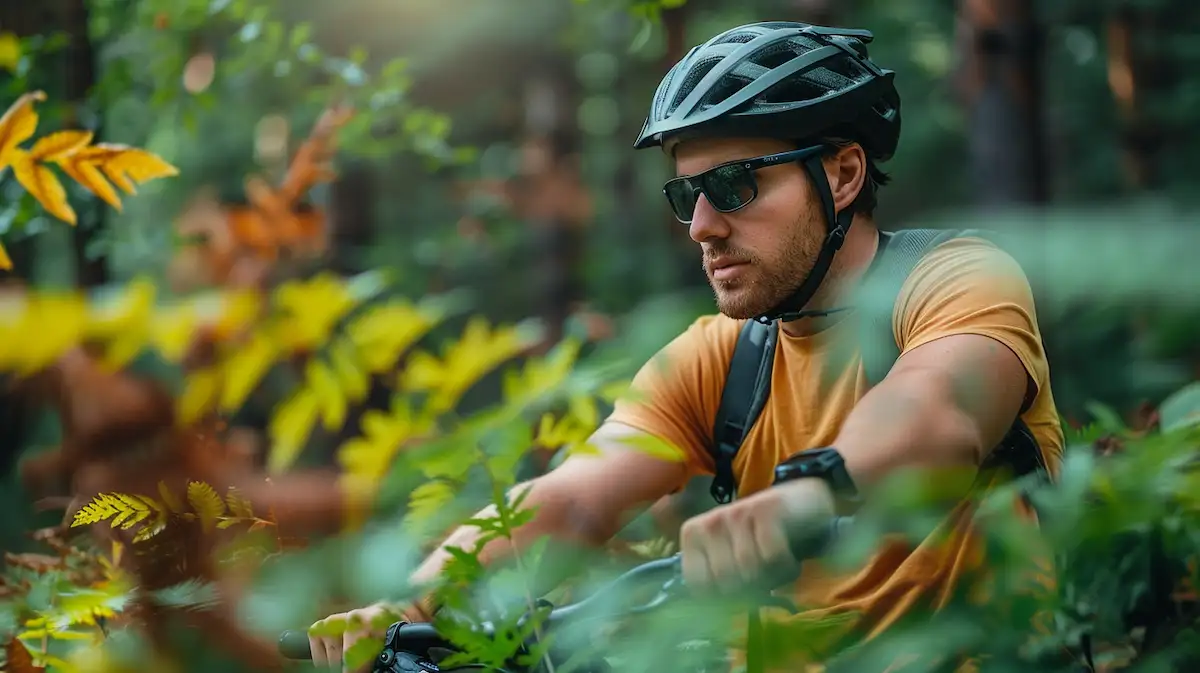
(707, 224)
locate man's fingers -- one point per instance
(348, 640)
(694, 564)
(333, 653)
(746, 557)
(316, 647)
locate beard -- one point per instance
(770, 278)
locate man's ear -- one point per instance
(846, 171)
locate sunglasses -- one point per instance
(728, 187)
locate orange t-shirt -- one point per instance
(964, 286)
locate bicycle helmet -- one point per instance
(785, 80)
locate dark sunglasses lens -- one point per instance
(729, 187)
(682, 197)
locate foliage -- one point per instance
(249, 44)
(127, 510)
(49, 603)
(316, 319)
(1122, 521)
(73, 152)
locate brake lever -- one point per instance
(669, 590)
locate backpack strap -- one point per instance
(747, 386)
(898, 255)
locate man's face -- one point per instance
(757, 256)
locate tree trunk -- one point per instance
(1134, 76)
(1000, 48)
(553, 199)
(90, 269)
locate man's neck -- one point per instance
(849, 264)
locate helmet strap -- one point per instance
(837, 225)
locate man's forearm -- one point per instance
(556, 516)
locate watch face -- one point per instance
(825, 463)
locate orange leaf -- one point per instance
(19, 658)
(43, 185)
(18, 124)
(57, 146)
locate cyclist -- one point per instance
(775, 130)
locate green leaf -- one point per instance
(1108, 419)
(1181, 409)
(363, 652)
(656, 447)
(301, 33)
(191, 594)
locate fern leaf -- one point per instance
(82, 607)
(190, 594)
(138, 510)
(169, 498)
(426, 501)
(101, 508)
(147, 532)
(207, 504)
(238, 505)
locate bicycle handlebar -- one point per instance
(418, 639)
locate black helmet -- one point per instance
(787, 80)
(779, 79)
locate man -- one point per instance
(775, 130)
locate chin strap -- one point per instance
(838, 225)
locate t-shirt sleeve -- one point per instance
(970, 286)
(674, 397)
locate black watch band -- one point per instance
(824, 463)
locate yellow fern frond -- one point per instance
(382, 333)
(290, 425)
(138, 508)
(169, 498)
(82, 607)
(479, 351)
(238, 505)
(541, 376)
(206, 503)
(566, 431)
(101, 508)
(147, 532)
(331, 400)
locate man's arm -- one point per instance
(584, 502)
(946, 403)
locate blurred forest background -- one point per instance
(489, 156)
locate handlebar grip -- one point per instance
(806, 542)
(294, 645)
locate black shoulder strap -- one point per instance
(898, 255)
(746, 388)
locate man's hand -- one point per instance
(329, 651)
(746, 543)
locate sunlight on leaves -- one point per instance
(71, 151)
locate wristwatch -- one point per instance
(825, 463)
